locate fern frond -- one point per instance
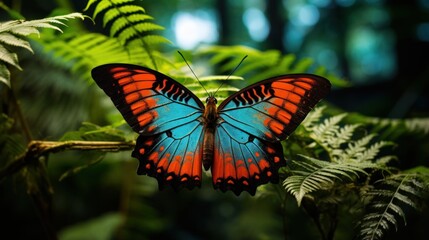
(357, 147)
(312, 175)
(260, 64)
(393, 128)
(339, 141)
(12, 40)
(129, 23)
(9, 57)
(418, 125)
(4, 74)
(134, 15)
(343, 135)
(413, 125)
(329, 135)
(387, 204)
(89, 50)
(329, 127)
(313, 117)
(12, 33)
(371, 152)
(25, 28)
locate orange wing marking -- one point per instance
(118, 69)
(274, 126)
(132, 97)
(174, 166)
(229, 166)
(306, 83)
(147, 118)
(242, 171)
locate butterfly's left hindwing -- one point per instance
(172, 157)
(167, 116)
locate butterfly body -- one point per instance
(239, 140)
(210, 118)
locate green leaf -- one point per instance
(101, 228)
(10, 39)
(9, 57)
(92, 132)
(419, 170)
(4, 75)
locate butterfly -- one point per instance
(239, 140)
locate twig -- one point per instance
(37, 149)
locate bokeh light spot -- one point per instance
(194, 28)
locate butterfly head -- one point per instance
(211, 100)
(210, 112)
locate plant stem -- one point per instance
(37, 149)
(20, 116)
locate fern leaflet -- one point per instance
(129, 23)
(261, 64)
(92, 49)
(387, 203)
(12, 34)
(312, 175)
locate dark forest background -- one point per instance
(379, 48)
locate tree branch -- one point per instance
(37, 149)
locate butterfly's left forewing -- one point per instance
(251, 124)
(167, 116)
(149, 101)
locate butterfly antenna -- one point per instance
(242, 60)
(193, 72)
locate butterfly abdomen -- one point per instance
(210, 117)
(208, 147)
